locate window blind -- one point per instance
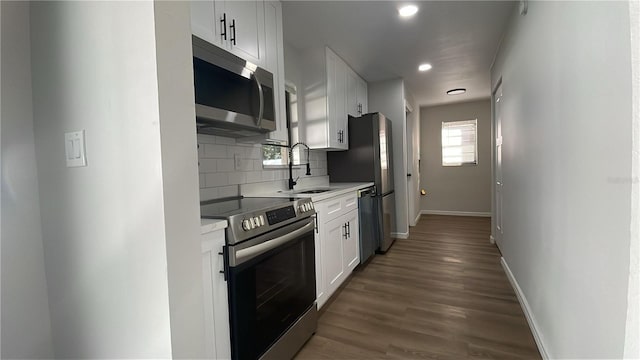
(459, 143)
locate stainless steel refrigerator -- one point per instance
(369, 158)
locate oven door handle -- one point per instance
(256, 250)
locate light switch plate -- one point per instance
(74, 149)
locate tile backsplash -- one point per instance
(220, 177)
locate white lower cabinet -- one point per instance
(332, 246)
(216, 303)
(337, 244)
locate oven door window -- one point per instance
(269, 293)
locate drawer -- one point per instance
(334, 207)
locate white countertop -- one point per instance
(209, 225)
(335, 189)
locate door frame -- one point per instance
(494, 160)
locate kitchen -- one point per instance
(136, 290)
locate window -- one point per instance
(460, 143)
(275, 155)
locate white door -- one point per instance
(498, 102)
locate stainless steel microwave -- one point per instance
(234, 98)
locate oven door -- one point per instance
(271, 284)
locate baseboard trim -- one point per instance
(417, 218)
(455, 213)
(528, 313)
(400, 235)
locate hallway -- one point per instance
(441, 294)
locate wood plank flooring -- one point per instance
(441, 294)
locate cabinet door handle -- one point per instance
(344, 231)
(233, 34)
(349, 230)
(223, 22)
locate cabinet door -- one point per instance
(332, 262)
(362, 95)
(336, 94)
(351, 242)
(353, 81)
(246, 31)
(216, 303)
(203, 21)
(274, 62)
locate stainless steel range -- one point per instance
(270, 269)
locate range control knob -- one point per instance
(247, 225)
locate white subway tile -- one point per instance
(253, 176)
(225, 165)
(254, 153)
(246, 165)
(216, 179)
(225, 191)
(202, 180)
(257, 165)
(225, 140)
(268, 175)
(208, 194)
(233, 150)
(213, 151)
(207, 165)
(206, 139)
(237, 178)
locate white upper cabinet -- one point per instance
(274, 62)
(236, 26)
(352, 93)
(357, 104)
(251, 30)
(362, 94)
(336, 92)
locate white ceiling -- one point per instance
(458, 38)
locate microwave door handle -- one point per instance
(261, 95)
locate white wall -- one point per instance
(26, 326)
(465, 189)
(94, 68)
(180, 177)
(632, 333)
(566, 76)
(388, 98)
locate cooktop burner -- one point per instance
(252, 216)
(224, 208)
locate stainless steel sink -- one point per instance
(314, 191)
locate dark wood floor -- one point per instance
(441, 294)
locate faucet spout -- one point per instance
(293, 182)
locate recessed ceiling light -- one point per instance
(408, 10)
(424, 67)
(456, 91)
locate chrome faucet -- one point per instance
(292, 182)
